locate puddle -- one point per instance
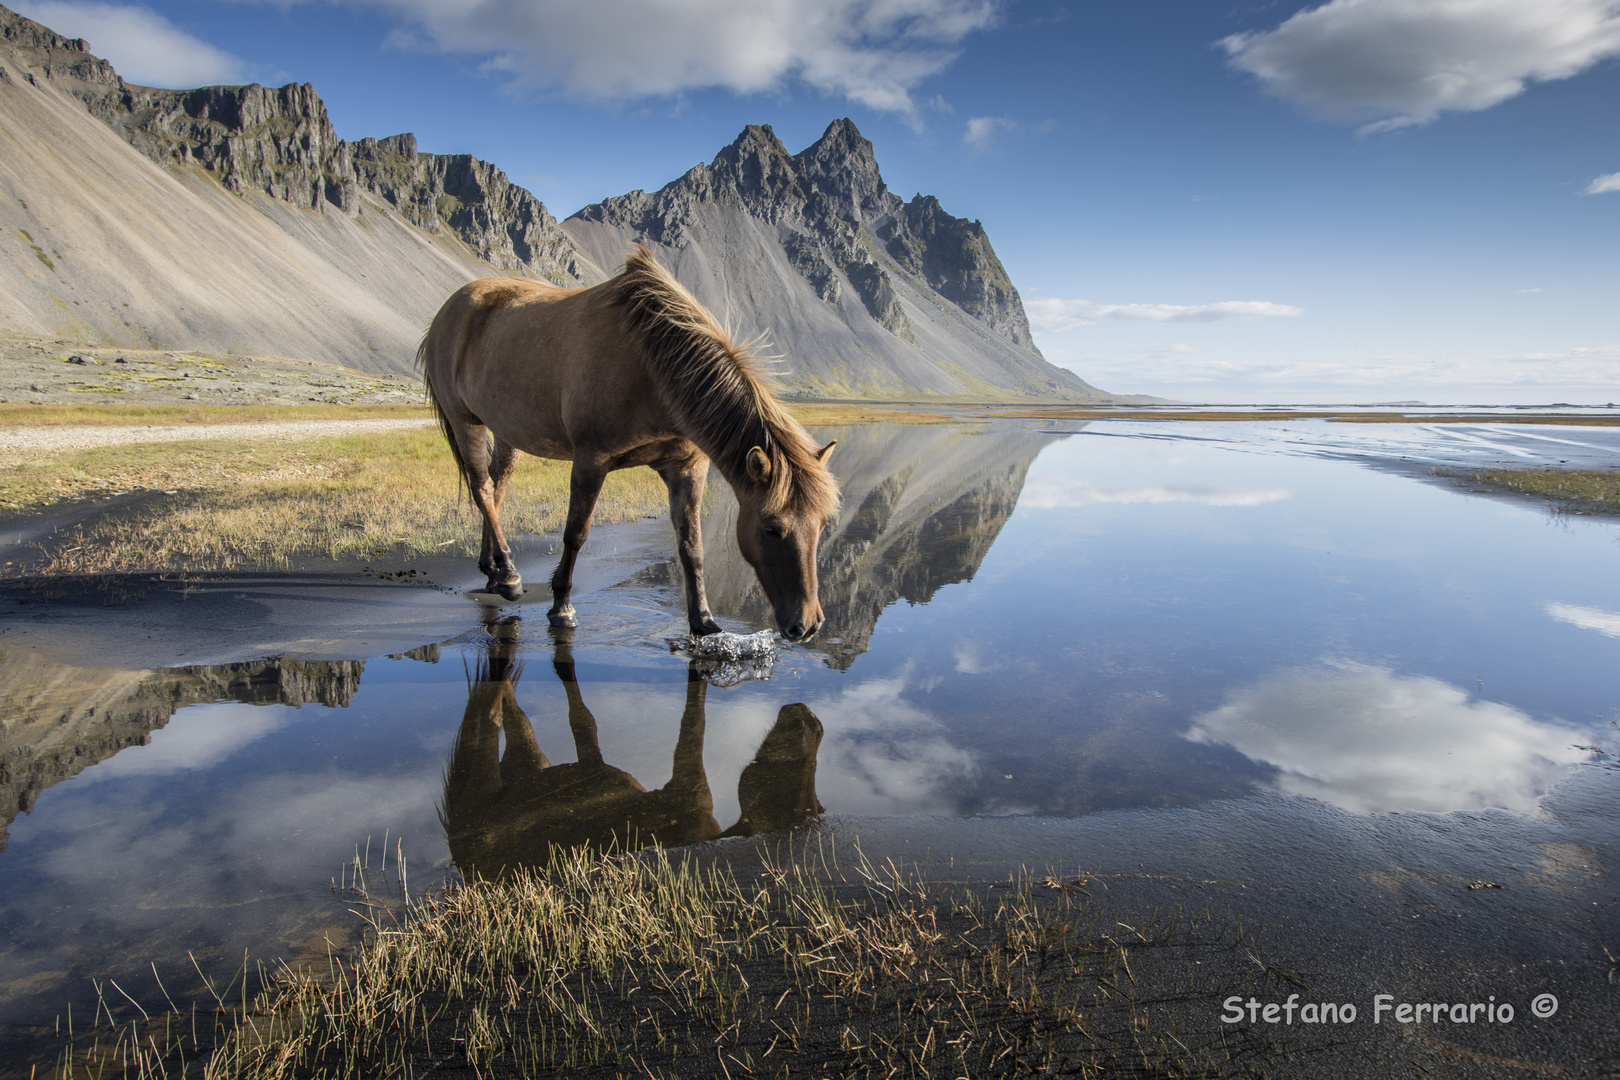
(1133, 634)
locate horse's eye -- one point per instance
(774, 532)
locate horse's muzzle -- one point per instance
(801, 631)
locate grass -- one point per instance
(269, 505)
(833, 414)
(607, 965)
(13, 414)
(1574, 490)
(221, 504)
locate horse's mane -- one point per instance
(715, 387)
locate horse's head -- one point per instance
(779, 523)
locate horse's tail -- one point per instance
(466, 481)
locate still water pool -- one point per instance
(1020, 623)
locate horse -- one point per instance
(633, 371)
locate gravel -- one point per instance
(80, 438)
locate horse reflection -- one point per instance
(507, 810)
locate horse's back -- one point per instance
(535, 362)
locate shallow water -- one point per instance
(1020, 622)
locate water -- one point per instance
(1126, 617)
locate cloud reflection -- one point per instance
(883, 755)
(1368, 740)
(1587, 618)
(1053, 492)
(200, 737)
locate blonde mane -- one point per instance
(715, 388)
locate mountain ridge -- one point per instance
(234, 219)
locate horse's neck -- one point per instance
(730, 459)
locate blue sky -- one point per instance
(1364, 200)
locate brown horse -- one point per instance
(630, 372)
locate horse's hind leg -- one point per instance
(495, 558)
(473, 445)
(585, 485)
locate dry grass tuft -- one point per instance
(639, 966)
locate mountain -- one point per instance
(233, 219)
(862, 294)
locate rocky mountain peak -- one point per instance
(279, 141)
(24, 33)
(842, 165)
(759, 169)
(891, 294)
(52, 55)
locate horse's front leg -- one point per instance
(584, 487)
(686, 483)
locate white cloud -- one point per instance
(1403, 62)
(1604, 622)
(870, 51)
(1053, 492)
(1603, 185)
(1368, 740)
(142, 45)
(980, 136)
(1059, 315)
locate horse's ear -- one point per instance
(759, 466)
(826, 452)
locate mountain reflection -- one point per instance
(56, 720)
(922, 506)
(505, 809)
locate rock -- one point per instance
(503, 223)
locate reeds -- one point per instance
(647, 966)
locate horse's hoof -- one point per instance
(563, 619)
(509, 586)
(705, 627)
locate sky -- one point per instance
(1206, 200)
